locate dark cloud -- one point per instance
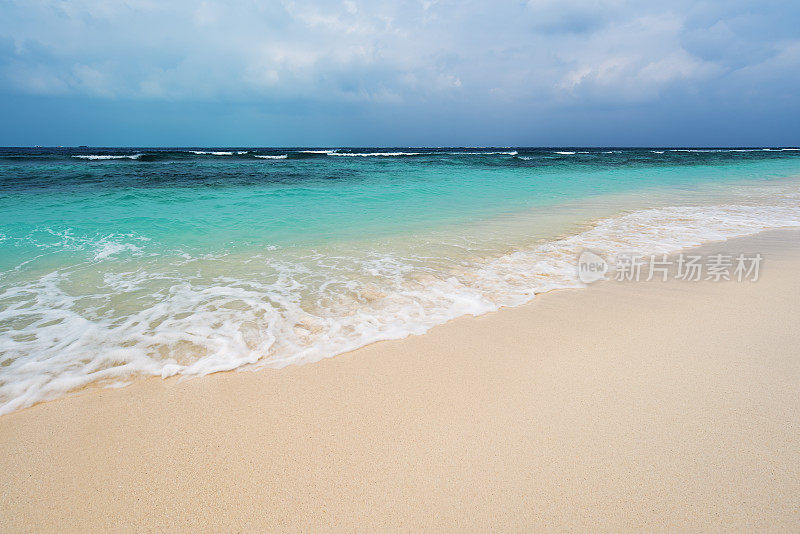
(465, 62)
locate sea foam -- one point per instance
(309, 308)
(108, 156)
(372, 154)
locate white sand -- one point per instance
(655, 406)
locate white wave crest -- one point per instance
(267, 156)
(372, 154)
(504, 153)
(108, 156)
(336, 152)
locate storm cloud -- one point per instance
(547, 72)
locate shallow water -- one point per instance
(116, 263)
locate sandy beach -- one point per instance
(624, 406)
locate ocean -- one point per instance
(124, 263)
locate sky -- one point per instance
(399, 73)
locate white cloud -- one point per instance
(544, 51)
(633, 60)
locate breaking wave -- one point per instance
(108, 156)
(300, 309)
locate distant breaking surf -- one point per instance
(109, 156)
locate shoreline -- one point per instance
(277, 364)
(512, 276)
(540, 415)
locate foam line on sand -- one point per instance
(653, 406)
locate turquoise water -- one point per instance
(117, 263)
